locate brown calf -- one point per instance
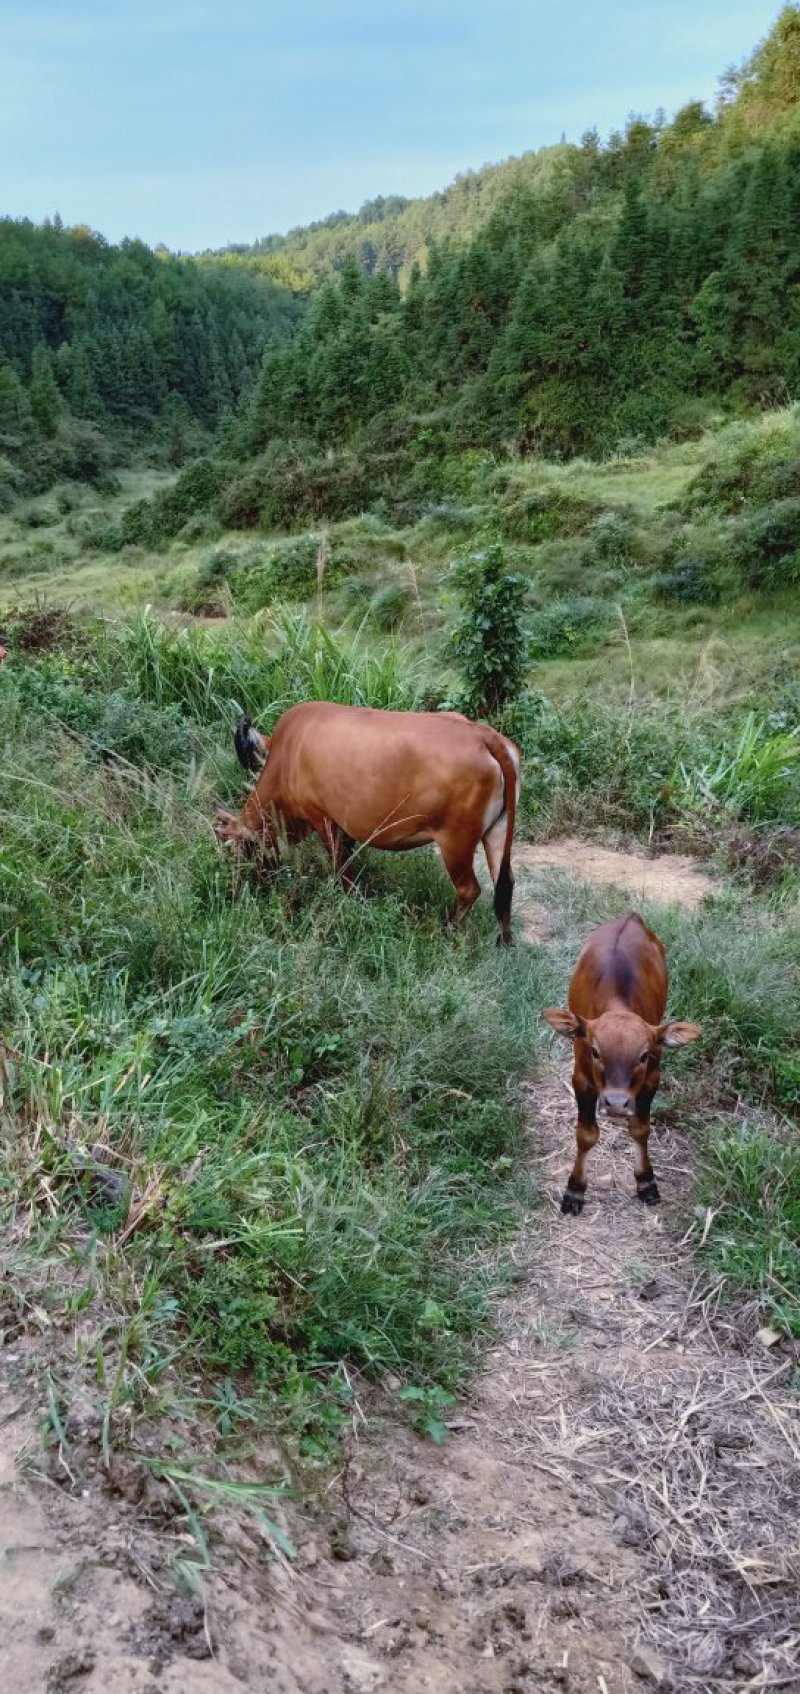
(617, 1000)
(392, 780)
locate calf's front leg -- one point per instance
(639, 1130)
(586, 1134)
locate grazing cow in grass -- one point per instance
(3, 646)
(617, 1000)
(392, 780)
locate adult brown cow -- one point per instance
(617, 1000)
(392, 780)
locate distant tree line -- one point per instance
(601, 301)
(101, 343)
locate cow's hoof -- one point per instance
(648, 1194)
(571, 1205)
(505, 941)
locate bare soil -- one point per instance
(615, 1507)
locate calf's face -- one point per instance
(618, 1055)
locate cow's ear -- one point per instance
(677, 1034)
(564, 1022)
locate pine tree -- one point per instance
(45, 400)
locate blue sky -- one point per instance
(197, 122)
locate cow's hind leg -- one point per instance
(639, 1130)
(493, 846)
(460, 868)
(586, 1135)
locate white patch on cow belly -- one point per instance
(496, 805)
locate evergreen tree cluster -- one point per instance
(101, 343)
(614, 297)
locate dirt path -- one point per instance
(615, 1508)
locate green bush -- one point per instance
(564, 628)
(541, 514)
(389, 605)
(293, 484)
(766, 546)
(489, 641)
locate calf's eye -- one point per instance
(643, 1057)
(595, 1053)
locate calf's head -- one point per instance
(618, 1054)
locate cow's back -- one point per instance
(380, 774)
(621, 962)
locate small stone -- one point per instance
(768, 1337)
(649, 1667)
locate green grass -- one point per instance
(751, 1180)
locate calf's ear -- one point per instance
(564, 1022)
(677, 1034)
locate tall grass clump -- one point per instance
(262, 668)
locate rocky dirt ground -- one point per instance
(615, 1508)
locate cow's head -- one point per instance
(619, 1053)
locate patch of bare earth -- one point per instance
(615, 1507)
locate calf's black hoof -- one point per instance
(571, 1205)
(648, 1193)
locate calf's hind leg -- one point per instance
(586, 1135)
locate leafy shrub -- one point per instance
(541, 514)
(766, 546)
(489, 641)
(751, 464)
(296, 483)
(389, 605)
(569, 626)
(695, 569)
(117, 723)
(202, 526)
(40, 517)
(153, 522)
(585, 761)
(690, 584)
(611, 539)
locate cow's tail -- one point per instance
(252, 748)
(504, 884)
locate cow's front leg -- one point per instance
(639, 1130)
(586, 1134)
(339, 848)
